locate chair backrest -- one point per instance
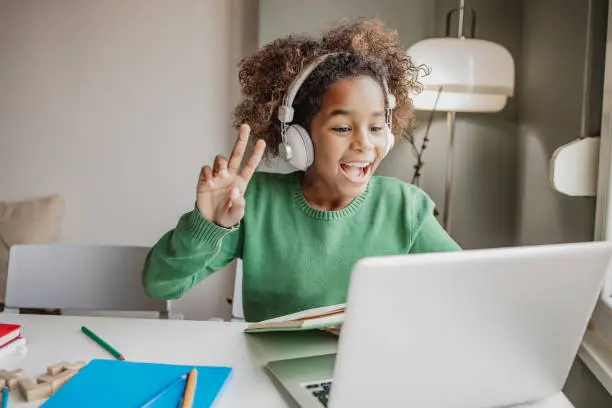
(79, 277)
(237, 310)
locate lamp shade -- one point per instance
(474, 75)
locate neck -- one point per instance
(320, 195)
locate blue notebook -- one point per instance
(118, 384)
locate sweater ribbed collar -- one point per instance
(302, 204)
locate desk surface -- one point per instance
(52, 339)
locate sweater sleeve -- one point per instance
(429, 235)
(184, 256)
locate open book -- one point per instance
(317, 318)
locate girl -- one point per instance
(330, 106)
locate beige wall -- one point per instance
(116, 105)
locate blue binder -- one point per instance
(115, 383)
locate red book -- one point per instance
(8, 333)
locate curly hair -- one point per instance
(364, 47)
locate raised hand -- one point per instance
(220, 191)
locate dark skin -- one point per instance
(348, 129)
(220, 190)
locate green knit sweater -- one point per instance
(294, 256)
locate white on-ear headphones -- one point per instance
(296, 146)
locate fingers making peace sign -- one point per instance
(220, 191)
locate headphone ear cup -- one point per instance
(302, 150)
(390, 139)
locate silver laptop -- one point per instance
(482, 328)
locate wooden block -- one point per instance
(56, 368)
(57, 380)
(12, 377)
(64, 365)
(75, 366)
(32, 391)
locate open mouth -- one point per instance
(356, 172)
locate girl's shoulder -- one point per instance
(386, 185)
(400, 195)
(271, 183)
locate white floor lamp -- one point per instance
(466, 75)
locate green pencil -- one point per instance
(102, 343)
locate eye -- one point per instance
(376, 129)
(342, 129)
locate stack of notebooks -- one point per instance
(11, 339)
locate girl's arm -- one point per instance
(187, 254)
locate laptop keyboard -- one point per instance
(320, 390)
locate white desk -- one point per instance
(52, 339)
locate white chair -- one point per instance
(237, 309)
(81, 279)
(237, 313)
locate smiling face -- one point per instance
(349, 139)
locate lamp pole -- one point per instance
(450, 125)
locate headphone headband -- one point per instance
(297, 82)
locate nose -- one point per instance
(362, 139)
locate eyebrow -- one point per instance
(344, 112)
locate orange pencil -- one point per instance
(190, 389)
